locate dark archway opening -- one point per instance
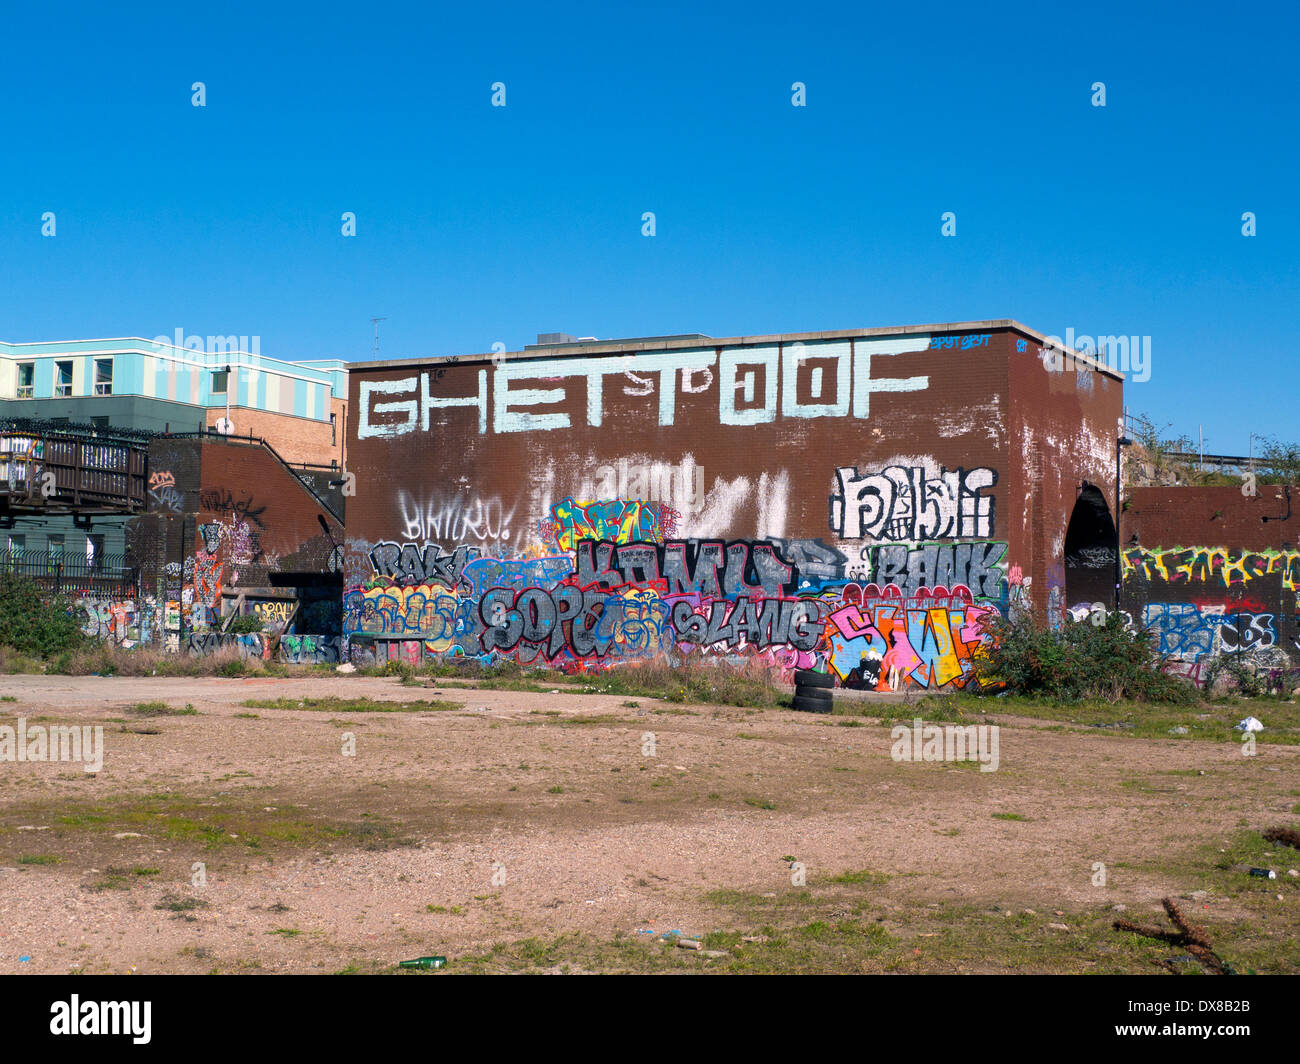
(1090, 550)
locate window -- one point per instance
(26, 380)
(55, 543)
(219, 381)
(95, 552)
(17, 544)
(334, 429)
(103, 376)
(62, 380)
(99, 422)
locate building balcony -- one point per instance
(79, 473)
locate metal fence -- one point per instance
(72, 573)
(53, 471)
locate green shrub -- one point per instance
(33, 621)
(1080, 660)
(245, 624)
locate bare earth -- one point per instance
(316, 861)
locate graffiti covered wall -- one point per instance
(826, 499)
(1205, 604)
(229, 530)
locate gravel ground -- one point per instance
(507, 815)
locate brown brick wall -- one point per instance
(297, 439)
(1213, 580)
(945, 414)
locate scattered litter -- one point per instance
(1119, 907)
(127, 835)
(1179, 730)
(1263, 873)
(1250, 724)
(690, 943)
(1059, 927)
(1292, 873)
(22, 959)
(346, 667)
(645, 931)
(754, 938)
(716, 953)
(424, 962)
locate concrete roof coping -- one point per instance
(615, 347)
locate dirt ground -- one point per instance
(494, 817)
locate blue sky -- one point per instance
(478, 224)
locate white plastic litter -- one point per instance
(1250, 724)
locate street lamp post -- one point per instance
(1121, 441)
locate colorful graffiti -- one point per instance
(882, 638)
(615, 520)
(1211, 565)
(609, 582)
(1203, 605)
(123, 622)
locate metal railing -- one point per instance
(71, 573)
(57, 471)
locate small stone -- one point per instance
(1292, 873)
(1059, 927)
(1179, 730)
(1030, 912)
(1119, 908)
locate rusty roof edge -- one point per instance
(614, 347)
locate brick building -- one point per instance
(131, 389)
(863, 497)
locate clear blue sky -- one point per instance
(478, 224)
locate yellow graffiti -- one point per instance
(1208, 564)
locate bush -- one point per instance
(32, 621)
(245, 624)
(1081, 660)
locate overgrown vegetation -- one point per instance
(33, 621)
(1079, 661)
(1154, 459)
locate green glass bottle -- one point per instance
(424, 962)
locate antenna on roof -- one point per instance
(375, 322)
